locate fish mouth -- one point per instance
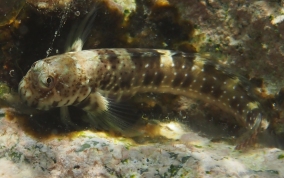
(26, 94)
(25, 98)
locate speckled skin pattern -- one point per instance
(88, 78)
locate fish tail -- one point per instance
(249, 137)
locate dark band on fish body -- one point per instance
(158, 78)
(149, 76)
(115, 88)
(105, 81)
(235, 103)
(187, 81)
(207, 86)
(109, 57)
(217, 91)
(180, 60)
(137, 53)
(178, 79)
(125, 81)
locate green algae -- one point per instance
(280, 156)
(3, 89)
(84, 147)
(198, 146)
(184, 159)
(125, 161)
(173, 170)
(173, 155)
(15, 156)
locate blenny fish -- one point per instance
(96, 79)
(87, 79)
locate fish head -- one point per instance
(55, 81)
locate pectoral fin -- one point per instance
(107, 114)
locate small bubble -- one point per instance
(48, 51)
(77, 13)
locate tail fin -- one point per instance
(248, 137)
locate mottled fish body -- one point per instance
(88, 78)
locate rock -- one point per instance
(94, 154)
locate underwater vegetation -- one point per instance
(243, 40)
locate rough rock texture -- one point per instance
(249, 33)
(90, 154)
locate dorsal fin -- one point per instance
(75, 41)
(80, 31)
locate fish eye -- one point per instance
(49, 81)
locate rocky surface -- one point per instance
(94, 154)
